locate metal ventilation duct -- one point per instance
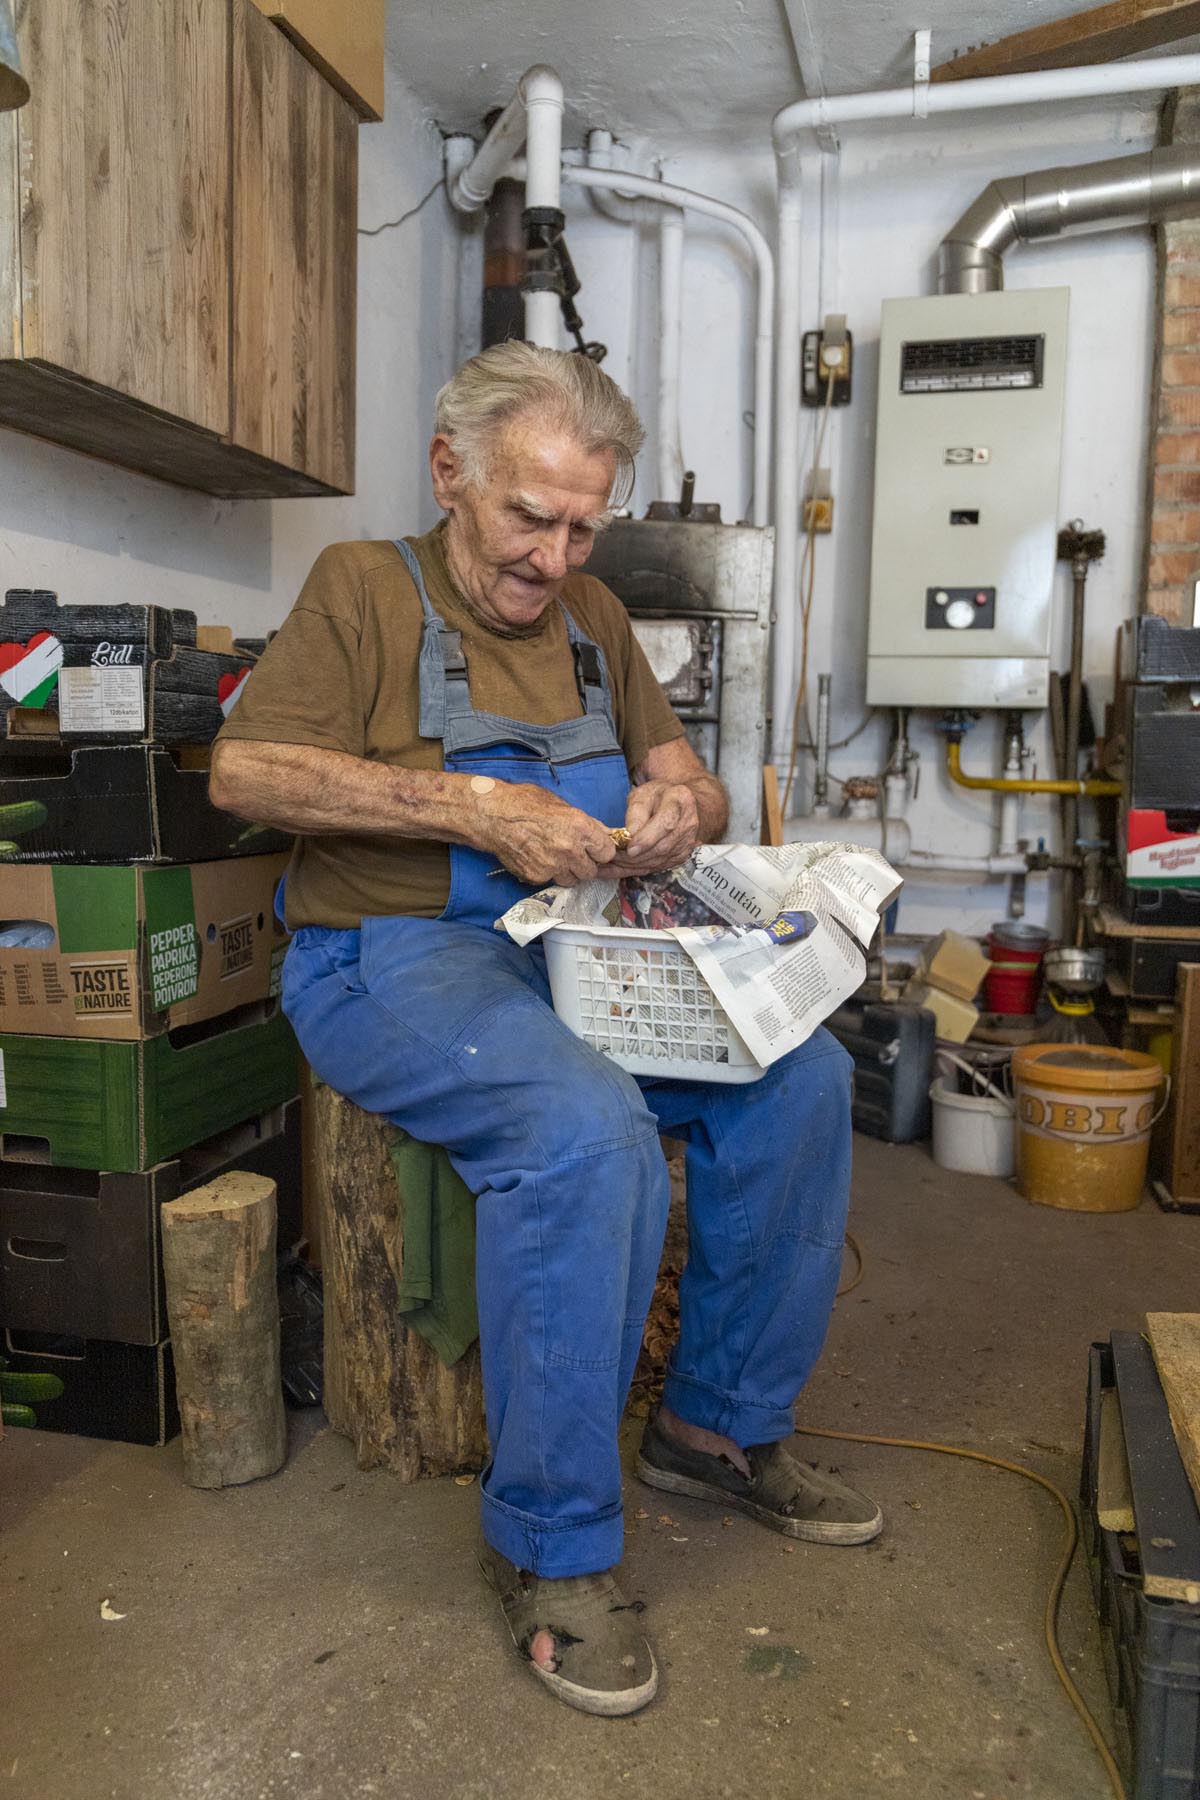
(1126, 190)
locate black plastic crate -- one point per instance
(1151, 1645)
(1162, 747)
(1171, 906)
(1150, 965)
(1154, 650)
(892, 1047)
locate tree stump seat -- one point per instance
(385, 1387)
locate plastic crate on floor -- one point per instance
(1151, 1645)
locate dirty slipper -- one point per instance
(602, 1663)
(796, 1498)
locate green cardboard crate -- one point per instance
(96, 1104)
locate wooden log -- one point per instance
(223, 1307)
(385, 1387)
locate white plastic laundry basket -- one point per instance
(637, 997)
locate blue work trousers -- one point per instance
(447, 1029)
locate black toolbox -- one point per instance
(892, 1046)
(1142, 1580)
(1149, 965)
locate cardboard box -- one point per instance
(117, 803)
(1158, 854)
(80, 1251)
(87, 1103)
(136, 951)
(124, 1392)
(344, 41)
(954, 1018)
(114, 673)
(954, 963)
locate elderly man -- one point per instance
(448, 723)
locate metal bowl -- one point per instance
(1074, 971)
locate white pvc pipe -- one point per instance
(622, 209)
(1094, 81)
(785, 598)
(533, 118)
(670, 351)
(671, 195)
(543, 95)
(842, 109)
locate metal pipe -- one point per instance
(1010, 803)
(993, 784)
(821, 776)
(503, 263)
(1101, 196)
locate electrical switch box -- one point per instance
(967, 451)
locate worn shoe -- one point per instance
(796, 1498)
(602, 1663)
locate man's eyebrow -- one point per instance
(535, 509)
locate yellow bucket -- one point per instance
(1084, 1114)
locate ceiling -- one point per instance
(712, 73)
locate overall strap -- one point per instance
(591, 674)
(442, 676)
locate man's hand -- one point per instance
(663, 822)
(540, 838)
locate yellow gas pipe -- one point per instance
(996, 784)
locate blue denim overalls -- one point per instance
(446, 1026)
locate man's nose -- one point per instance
(550, 556)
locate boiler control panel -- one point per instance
(960, 608)
(963, 548)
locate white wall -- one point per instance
(886, 208)
(96, 533)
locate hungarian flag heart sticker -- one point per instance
(29, 671)
(229, 689)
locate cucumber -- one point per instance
(20, 816)
(18, 1415)
(17, 1384)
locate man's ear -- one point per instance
(445, 469)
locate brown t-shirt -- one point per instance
(341, 674)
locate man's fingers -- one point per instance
(665, 823)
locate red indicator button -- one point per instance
(981, 599)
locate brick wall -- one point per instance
(1173, 502)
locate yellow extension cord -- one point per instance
(1070, 1540)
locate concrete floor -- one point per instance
(323, 1635)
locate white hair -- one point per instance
(561, 388)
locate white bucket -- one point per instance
(972, 1133)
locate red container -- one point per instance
(1016, 951)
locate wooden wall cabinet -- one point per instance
(178, 211)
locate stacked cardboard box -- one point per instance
(142, 1049)
(946, 982)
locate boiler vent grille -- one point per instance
(957, 365)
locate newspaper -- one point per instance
(778, 933)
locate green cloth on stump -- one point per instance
(437, 1248)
